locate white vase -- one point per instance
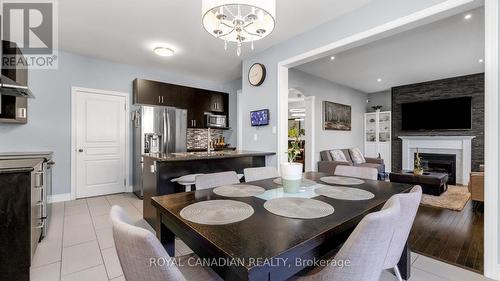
(291, 176)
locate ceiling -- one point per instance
(126, 31)
(447, 48)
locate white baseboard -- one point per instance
(59, 197)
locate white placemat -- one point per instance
(299, 208)
(239, 190)
(304, 183)
(342, 180)
(344, 193)
(217, 212)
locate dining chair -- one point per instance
(260, 173)
(409, 206)
(365, 249)
(356, 172)
(187, 181)
(216, 179)
(142, 256)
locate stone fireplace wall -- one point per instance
(462, 86)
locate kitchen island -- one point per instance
(160, 169)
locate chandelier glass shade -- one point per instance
(239, 21)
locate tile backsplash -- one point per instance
(197, 138)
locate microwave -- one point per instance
(215, 121)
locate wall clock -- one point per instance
(257, 74)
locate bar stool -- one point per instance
(187, 181)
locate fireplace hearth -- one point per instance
(440, 163)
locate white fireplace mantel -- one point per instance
(461, 146)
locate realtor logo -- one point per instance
(32, 27)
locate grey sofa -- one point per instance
(327, 165)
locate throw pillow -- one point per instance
(338, 155)
(357, 156)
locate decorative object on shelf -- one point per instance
(372, 120)
(256, 74)
(377, 107)
(291, 172)
(239, 21)
(417, 167)
(336, 116)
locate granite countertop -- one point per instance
(187, 156)
(18, 165)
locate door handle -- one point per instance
(80, 150)
(159, 99)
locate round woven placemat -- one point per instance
(304, 182)
(239, 190)
(299, 208)
(344, 193)
(342, 180)
(217, 212)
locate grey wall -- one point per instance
(325, 90)
(463, 86)
(379, 98)
(49, 121)
(265, 96)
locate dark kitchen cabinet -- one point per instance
(196, 101)
(146, 92)
(218, 102)
(199, 104)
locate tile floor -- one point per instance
(79, 246)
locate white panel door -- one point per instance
(100, 144)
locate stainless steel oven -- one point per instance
(215, 121)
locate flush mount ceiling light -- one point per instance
(297, 110)
(239, 21)
(332, 57)
(163, 51)
(298, 114)
(379, 80)
(468, 16)
(480, 60)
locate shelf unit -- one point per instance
(377, 135)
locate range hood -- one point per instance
(12, 88)
(13, 81)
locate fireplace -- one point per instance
(440, 163)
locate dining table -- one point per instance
(266, 246)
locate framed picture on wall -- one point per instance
(336, 116)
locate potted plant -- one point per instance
(291, 172)
(417, 167)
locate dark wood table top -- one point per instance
(268, 236)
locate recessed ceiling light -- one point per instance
(468, 16)
(332, 57)
(379, 80)
(480, 61)
(299, 115)
(297, 110)
(163, 51)
(299, 119)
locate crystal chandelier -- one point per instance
(239, 21)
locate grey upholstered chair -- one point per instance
(137, 248)
(216, 179)
(255, 174)
(357, 172)
(365, 249)
(409, 206)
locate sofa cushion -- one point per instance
(357, 156)
(338, 155)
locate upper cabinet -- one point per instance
(196, 101)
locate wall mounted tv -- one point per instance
(442, 114)
(259, 117)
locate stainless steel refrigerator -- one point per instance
(156, 129)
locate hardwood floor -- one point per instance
(450, 236)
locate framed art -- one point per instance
(336, 116)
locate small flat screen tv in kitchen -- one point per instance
(435, 115)
(259, 117)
